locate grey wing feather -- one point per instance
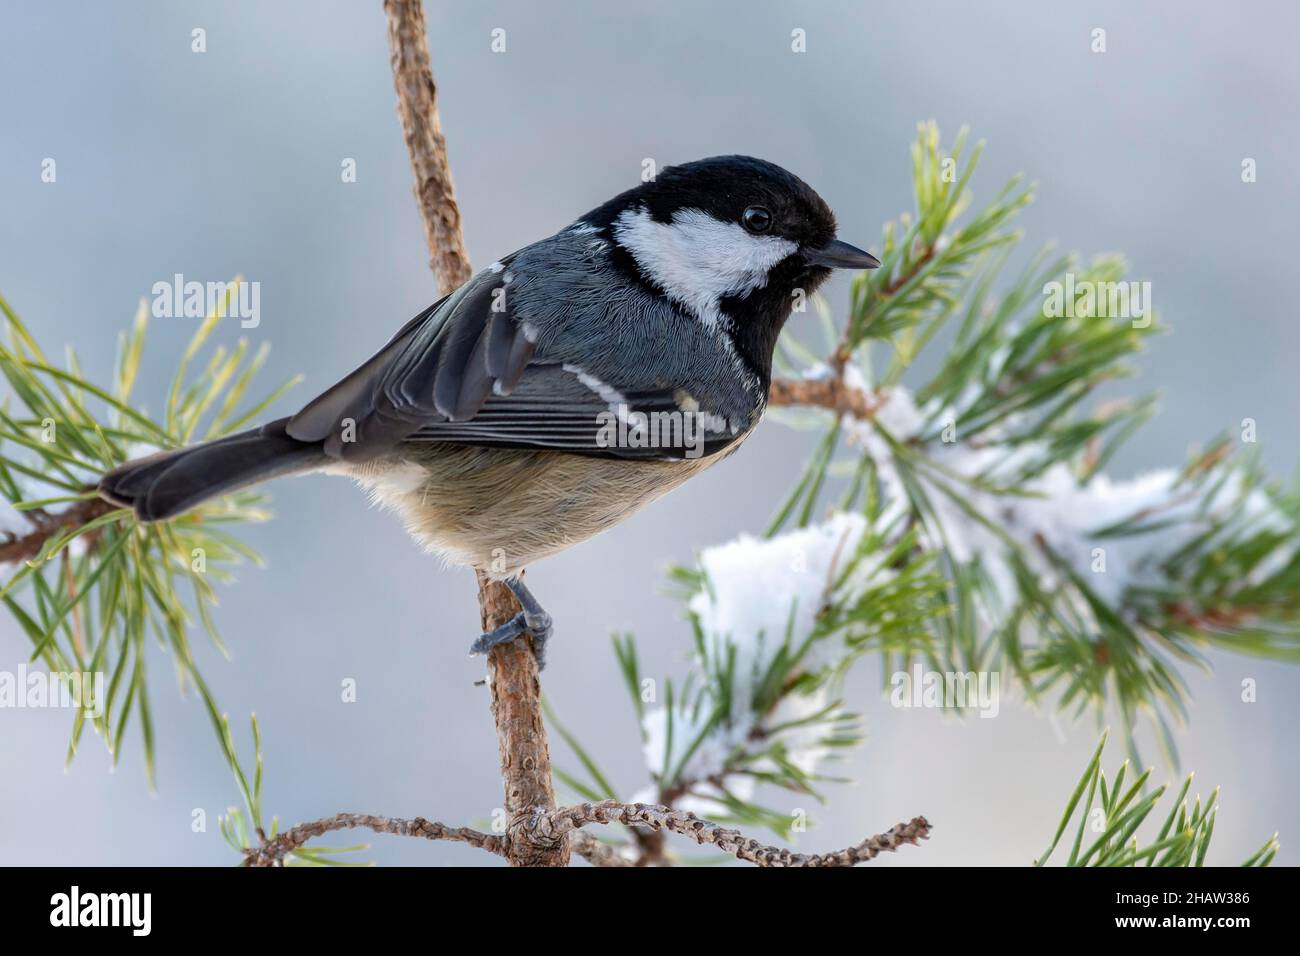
(466, 371)
(320, 417)
(553, 409)
(434, 369)
(460, 386)
(500, 341)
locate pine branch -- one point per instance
(554, 827)
(597, 853)
(832, 394)
(515, 685)
(417, 106)
(83, 580)
(765, 708)
(273, 851)
(968, 460)
(991, 460)
(47, 526)
(1183, 840)
(733, 841)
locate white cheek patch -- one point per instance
(697, 260)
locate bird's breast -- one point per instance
(500, 509)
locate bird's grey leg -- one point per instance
(531, 620)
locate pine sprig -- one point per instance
(87, 583)
(1110, 816)
(959, 479)
(243, 828)
(926, 252)
(997, 460)
(766, 709)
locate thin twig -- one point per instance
(567, 821)
(597, 853)
(417, 105)
(272, 852)
(44, 526)
(733, 841)
(830, 393)
(516, 689)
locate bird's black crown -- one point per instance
(725, 187)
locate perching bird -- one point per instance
(561, 389)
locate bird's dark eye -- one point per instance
(757, 219)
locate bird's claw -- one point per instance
(531, 620)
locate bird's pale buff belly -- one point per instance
(502, 509)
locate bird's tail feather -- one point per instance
(170, 482)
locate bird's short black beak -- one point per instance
(837, 254)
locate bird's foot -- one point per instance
(531, 620)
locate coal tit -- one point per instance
(561, 389)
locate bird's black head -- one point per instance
(733, 239)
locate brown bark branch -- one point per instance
(829, 393)
(272, 852)
(733, 841)
(512, 669)
(556, 826)
(833, 393)
(521, 736)
(417, 106)
(597, 853)
(45, 526)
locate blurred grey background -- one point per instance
(229, 162)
